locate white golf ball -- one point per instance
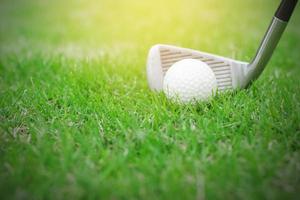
(189, 81)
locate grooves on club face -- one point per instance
(221, 69)
(162, 57)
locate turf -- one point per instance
(77, 120)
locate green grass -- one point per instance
(78, 121)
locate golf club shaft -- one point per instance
(271, 39)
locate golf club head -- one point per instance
(229, 73)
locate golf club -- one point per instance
(230, 73)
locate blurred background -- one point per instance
(133, 24)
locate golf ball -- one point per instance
(189, 81)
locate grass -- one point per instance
(77, 120)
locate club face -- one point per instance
(229, 73)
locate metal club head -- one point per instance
(230, 74)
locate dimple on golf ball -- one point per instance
(189, 81)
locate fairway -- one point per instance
(78, 121)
